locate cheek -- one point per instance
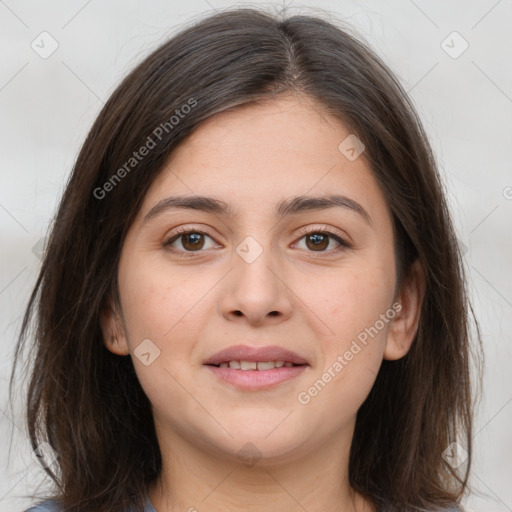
(158, 301)
(348, 300)
(352, 356)
(163, 306)
(356, 305)
(170, 307)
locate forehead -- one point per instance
(256, 155)
(290, 128)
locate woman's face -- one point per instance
(250, 274)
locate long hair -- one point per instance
(87, 403)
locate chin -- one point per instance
(252, 446)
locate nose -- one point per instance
(256, 290)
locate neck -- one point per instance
(195, 480)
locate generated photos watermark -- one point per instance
(342, 360)
(151, 142)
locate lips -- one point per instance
(256, 368)
(255, 354)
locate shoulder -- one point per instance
(45, 506)
(53, 506)
(454, 508)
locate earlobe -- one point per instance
(404, 326)
(114, 334)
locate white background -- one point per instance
(48, 105)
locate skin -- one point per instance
(321, 299)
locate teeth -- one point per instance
(269, 365)
(253, 365)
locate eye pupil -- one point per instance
(317, 239)
(194, 239)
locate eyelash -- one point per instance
(304, 232)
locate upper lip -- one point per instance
(247, 353)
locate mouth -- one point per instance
(248, 355)
(255, 365)
(256, 368)
(256, 379)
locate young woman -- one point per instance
(252, 297)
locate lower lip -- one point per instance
(257, 379)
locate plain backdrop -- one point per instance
(454, 59)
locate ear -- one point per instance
(404, 326)
(114, 332)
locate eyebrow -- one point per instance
(286, 207)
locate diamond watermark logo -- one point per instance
(146, 352)
(249, 455)
(44, 455)
(249, 249)
(39, 248)
(351, 147)
(44, 45)
(454, 45)
(462, 247)
(455, 455)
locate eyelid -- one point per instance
(168, 239)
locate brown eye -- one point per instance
(319, 241)
(190, 241)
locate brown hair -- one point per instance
(87, 402)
